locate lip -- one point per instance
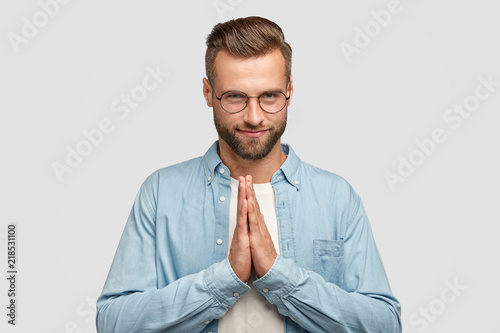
(253, 134)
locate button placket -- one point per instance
(221, 190)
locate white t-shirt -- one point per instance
(252, 312)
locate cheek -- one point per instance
(222, 118)
(279, 119)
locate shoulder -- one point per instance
(175, 172)
(319, 177)
(329, 190)
(308, 174)
(172, 178)
(333, 191)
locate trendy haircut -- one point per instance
(246, 37)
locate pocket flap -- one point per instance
(329, 248)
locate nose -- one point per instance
(253, 113)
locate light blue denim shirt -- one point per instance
(171, 273)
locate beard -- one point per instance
(250, 148)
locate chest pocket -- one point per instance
(329, 260)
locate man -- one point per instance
(247, 238)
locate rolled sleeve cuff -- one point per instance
(223, 283)
(279, 281)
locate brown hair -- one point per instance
(246, 37)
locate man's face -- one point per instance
(252, 133)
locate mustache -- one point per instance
(252, 128)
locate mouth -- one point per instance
(253, 134)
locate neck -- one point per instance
(261, 170)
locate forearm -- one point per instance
(319, 306)
(186, 305)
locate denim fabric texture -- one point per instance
(170, 272)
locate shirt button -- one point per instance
(236, 294)
(293, 319)
(296, 182)
(265, 290)
(207, 321)
(221, 170)
(209, 178)
(222, 198)
(219, 241)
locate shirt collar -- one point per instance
(288, 170)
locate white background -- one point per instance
(353, 118)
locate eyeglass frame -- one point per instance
(248, 98)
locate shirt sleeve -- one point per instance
(132, 302)
(364, 303)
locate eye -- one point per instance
(234, 96)
(269, 96)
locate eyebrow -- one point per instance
(263, 91)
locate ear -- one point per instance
(290, 90)
(207, 92)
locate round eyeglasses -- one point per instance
(234, 101)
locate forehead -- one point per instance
(249, 73)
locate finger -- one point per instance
(241, 229)
(254, 217)
(242, 209)
(242, 220)
(251, 195)
(241, 193)
(249, 186)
